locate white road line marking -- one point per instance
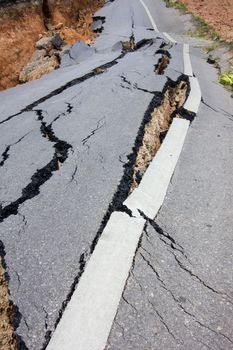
(150, 17)
(194, 99)
(170, 38)
(187, 61)
(150, 194)
(87, 320)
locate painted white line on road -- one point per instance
(150, 17)
(87, 320)
(150, 194)
(194, 99)
(170, 38)
(187, 61)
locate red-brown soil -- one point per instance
(21, 25)
(219, 14)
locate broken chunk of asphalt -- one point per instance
(97, 25)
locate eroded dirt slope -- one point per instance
(23, 23)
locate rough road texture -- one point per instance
(67, 152)
(179, 291)
(68, 145)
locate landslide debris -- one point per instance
(34, 34)
(45, 59)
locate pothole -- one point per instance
(156, 128)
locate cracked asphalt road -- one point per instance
(65, 143)
(179, 291)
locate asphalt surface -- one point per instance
(179, 291)
(67, 143)
(65, 140)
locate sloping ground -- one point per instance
(23, 23)
(219, 14)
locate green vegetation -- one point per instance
(176, 4)
(204, 30)
(226, 79)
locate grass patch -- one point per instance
(177, 5)
(212, 47)
(226, 79)
(204, 30)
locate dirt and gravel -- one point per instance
(7, 334)
(219, 14)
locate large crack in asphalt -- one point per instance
(6, 153)
(42, 175)
(125, 185)
(126, 48)
(62, 152)
(156, 128)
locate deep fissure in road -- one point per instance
(61, 147)
(155, 129)
(164, 106)
(42, 175)
(9, 313)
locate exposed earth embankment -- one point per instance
(23, 23)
